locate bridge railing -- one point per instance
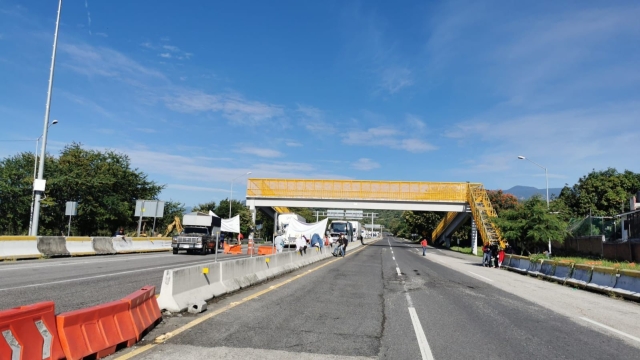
(357, 190)
(446, 221)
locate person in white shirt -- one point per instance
(301, 245)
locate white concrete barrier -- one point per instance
(19, 247)
(134, 245)
(580, 276)
(190, 284)
(103, 246)
(52, 246)
(628, 284)
(79, 246)
(603, 279)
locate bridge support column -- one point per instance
(474, 237)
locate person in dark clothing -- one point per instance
(494, 256)
(119, 232)
(486, 255)
(345, 242)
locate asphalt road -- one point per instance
(74, 283)
(388, 302)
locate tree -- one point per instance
(237, 208)
(502, 201)
(102, 182)
(206, 207)
(422, 222)
(601, 193)
(531, 225)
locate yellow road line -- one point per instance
(163, 338)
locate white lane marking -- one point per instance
(398, 271)
(480, 276)
(168, 266)
(425, 349)
(66, 263)
(611, 329)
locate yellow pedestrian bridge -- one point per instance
(458, 199)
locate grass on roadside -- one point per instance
(598, 262)
(464, 250)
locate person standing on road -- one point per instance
(500, 257)
(486, 256)
(240, 238)
(424, 246)
(345, 242)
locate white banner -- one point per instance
(297, 229)
(230, 225)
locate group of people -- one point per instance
(341, 249)
(492, 255)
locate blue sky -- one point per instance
(198, 93)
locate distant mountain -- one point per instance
(525, 192)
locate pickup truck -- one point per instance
(199, 234)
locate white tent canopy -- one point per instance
(297, 229)
(231, 225)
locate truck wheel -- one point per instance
(175, 251)
(204, 251)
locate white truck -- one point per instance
(357, 229)
(341, 227)
(283, 223)
(198, 235)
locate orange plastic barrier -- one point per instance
(266, 250)
(235, 249)
(144, 310)
(226, 248)
(29, 332)
(96, 331)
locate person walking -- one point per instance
(424, 246)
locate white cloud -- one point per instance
(171, 48)
(196, 188)
(388, 137)
(293, 144)
(394, 79)
(365, 164)
(147, 130)
(102, 61)
(261, 152)
(233, 106)
(104, 35)
(415, 122)
(165, 55)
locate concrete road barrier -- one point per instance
(79, 246)
(603, 279)
(507, 260)
(562, 272)
(19, 247)
(521, 264)
(52, 246)
(580, 276)
(193, 284)
(534, 268)
(103, 246)
(628, 284)
(547, 268)
(134, 245)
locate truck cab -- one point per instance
(340, 227)
(199, 234)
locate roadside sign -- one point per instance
(353, 214)
(71, 209)
(335, 214)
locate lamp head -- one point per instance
(249, 173)
(54, 122)
(521, 157)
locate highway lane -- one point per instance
(384, 302)
(78, 282)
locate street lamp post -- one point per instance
(231, 197)
(36, 203)
(546, 177)
(35, 167)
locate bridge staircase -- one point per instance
(481, 211)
